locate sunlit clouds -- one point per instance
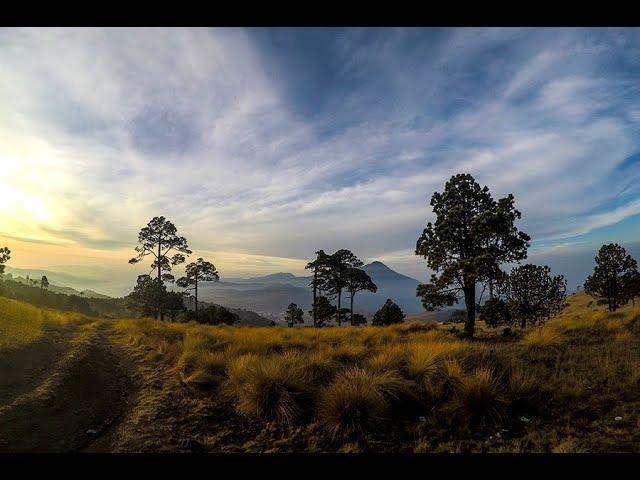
(263, 146)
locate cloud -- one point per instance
(335, 140)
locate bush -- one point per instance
(389, 314)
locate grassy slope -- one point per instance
(558, 388)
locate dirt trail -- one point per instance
(67, 406)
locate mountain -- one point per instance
(270, 295)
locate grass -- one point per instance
(22, 323)
(414, 385)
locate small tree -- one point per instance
(613, 276)
(44, 282)
(158, 239)
(471, 236)
(322, 310)
(195, 272)
(173, 303)
(357, 280)
(389, 314)
(357, 319)
(293, 315)
(533, 294)
(216, 315)
(5, 255)
(147, 296)
(495, 312)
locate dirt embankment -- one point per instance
(60, 394)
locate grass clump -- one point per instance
(273, 387)
(359, 399)
(542, 337)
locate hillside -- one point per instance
(570, 386)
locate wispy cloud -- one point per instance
(332, 139)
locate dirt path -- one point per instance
(68, 405)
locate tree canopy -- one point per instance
(471, 236)
(5, 255)
(196, 272)
(388, 314)
(293, 315)
(533, 294)
(158, 239)
(357, 280)
(613, 276)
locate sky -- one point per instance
(265, 145)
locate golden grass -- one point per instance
(353, 380)
(542, 337)
(359, 399)
(23, 323)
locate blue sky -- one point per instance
(264, 145)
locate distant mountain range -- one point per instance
(270, 294)
(259, 300)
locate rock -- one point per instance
(525, 420)
(617, 419)
(422, 419)
(91, 431)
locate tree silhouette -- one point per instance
(5, 255)
(338, 265)
(147, 296)
(195, 272)
(159, 238)
(357, 280)
(173, 303)
(388, 314)
(357, 319)
(322, 311)
(533, 294)
(613, 276)
(471, 236)
(293, 315)
(44, 282)
(319, 267)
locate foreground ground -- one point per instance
(71, 383)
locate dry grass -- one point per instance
(542, 337)
(359, 400)
(23, 323)
(357, 380)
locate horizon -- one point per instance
(265, 145)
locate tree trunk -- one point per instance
(315, 296)
(490, 289)
(470, 303)
(351, 317)
(338, 311)
(196, 295)
(523, 322)
(160, 282)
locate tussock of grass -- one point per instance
(479, 397)
(542, 337)
(359, 399)
(272, 387)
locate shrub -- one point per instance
(389, 314)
